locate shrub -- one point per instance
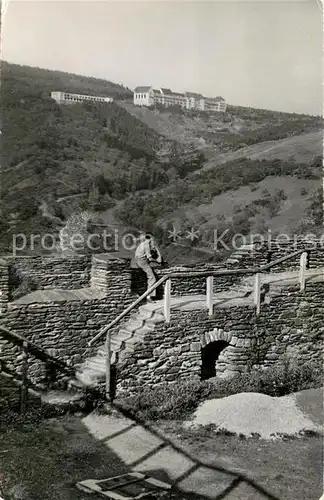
(177, 401)
(281, 195)
(290, 378)
(167, 401)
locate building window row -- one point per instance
(189, 102)
(62, 97)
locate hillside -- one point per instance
(147, 168)
(243, 185)
(97, 151)
(29, 81)
(278, 204)
(300, 148)
(225, 132)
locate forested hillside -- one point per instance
(99, 151)
(26, 80)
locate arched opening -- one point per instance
(209, 356)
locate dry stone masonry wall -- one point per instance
(62, 329)
(4, 286)
(172, 352)
(111, 275)
(46, 272)
(259, 254)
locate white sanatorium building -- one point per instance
(68, 98)
(147, 96)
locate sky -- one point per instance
(264, 54)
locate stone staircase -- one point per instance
(92, 372)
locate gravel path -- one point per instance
(251, 413)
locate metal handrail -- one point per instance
(184, 274)
(28, 348)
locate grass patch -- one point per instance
(44, 460)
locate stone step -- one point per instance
(75, 384)
(102, 352)
(158, 317)
(89, 379)
(131, 342)
(60, 398)
(150, 323)
(143, 314)
(98, 363)
(92, 370)
(142, 331)
(123, 334)
(129, 328)
(151, 307)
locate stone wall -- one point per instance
(63, 328)
(292, 325)
(53, 271)
(172, 351)
(111, 275)
(315, 249)
(262, 254)
(249, 258)
(4, 286)
(185, 285)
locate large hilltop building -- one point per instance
(68, 98)
(147, 96)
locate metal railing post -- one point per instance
(257, 293)
(24, 383)
(302, 270)
(108, 366)
(167, 300)
(209, 294)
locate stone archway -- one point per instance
(209, 358)
(213, 358)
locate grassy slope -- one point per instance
(302, 148)
(206, 187)
(299, 192)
